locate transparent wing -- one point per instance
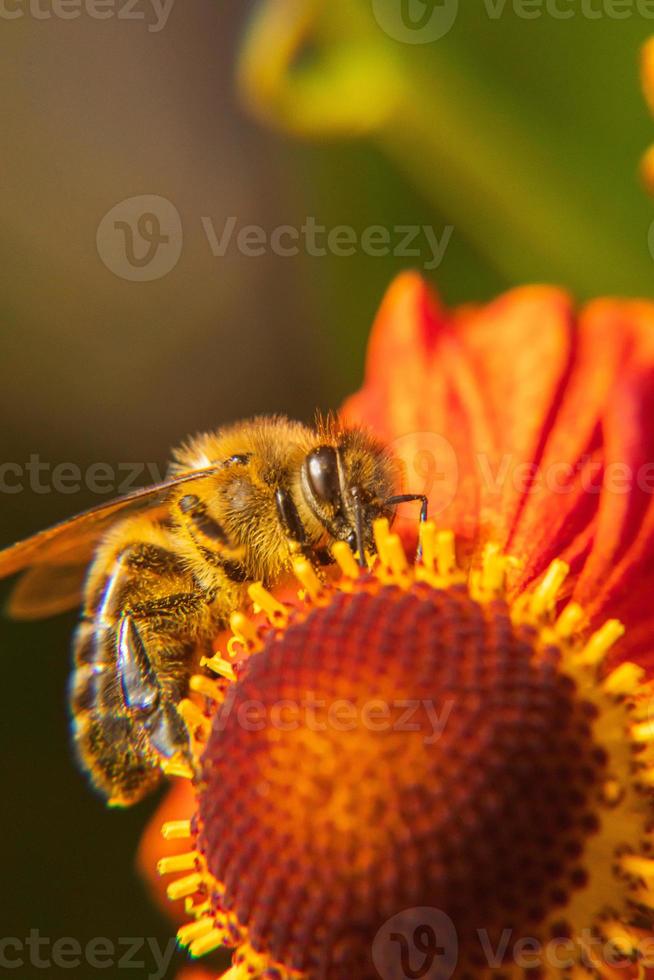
(54, 561)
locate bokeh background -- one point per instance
(522, 135)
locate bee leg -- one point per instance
(289, 518)
(144, 697)
(406, 498)
(146, 621)
(296, 534)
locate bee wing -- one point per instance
(46, 590)
(54, 561)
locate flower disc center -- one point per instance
(397, 748)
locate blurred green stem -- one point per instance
(494, 175)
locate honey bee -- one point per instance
(159, 571)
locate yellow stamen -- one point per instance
(445, 553)
(206, 687)
(176, 830)
(601, 642)
(185, 886)
(177, 767)
(240, 971)
(345, 559)
(276, 612)
(197, 724)
(191, 907)
(307, 577)
(427, 537)
(493, 570)
(545, 594)
(639, 867)
(219, 666)
(570, 621)
(381, 532)
(397, 558)
(622, 938)
(207, 943)
(194, 930)
(244, 630)
(646, 777)
(643, 731)
(178, 862)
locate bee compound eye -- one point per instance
(322, 474)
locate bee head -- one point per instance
(346, 483)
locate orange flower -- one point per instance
(504, 827)
(551, 419)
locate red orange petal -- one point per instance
(419, 395)
(177, 804)
(520, 350)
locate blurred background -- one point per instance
(505, 138)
